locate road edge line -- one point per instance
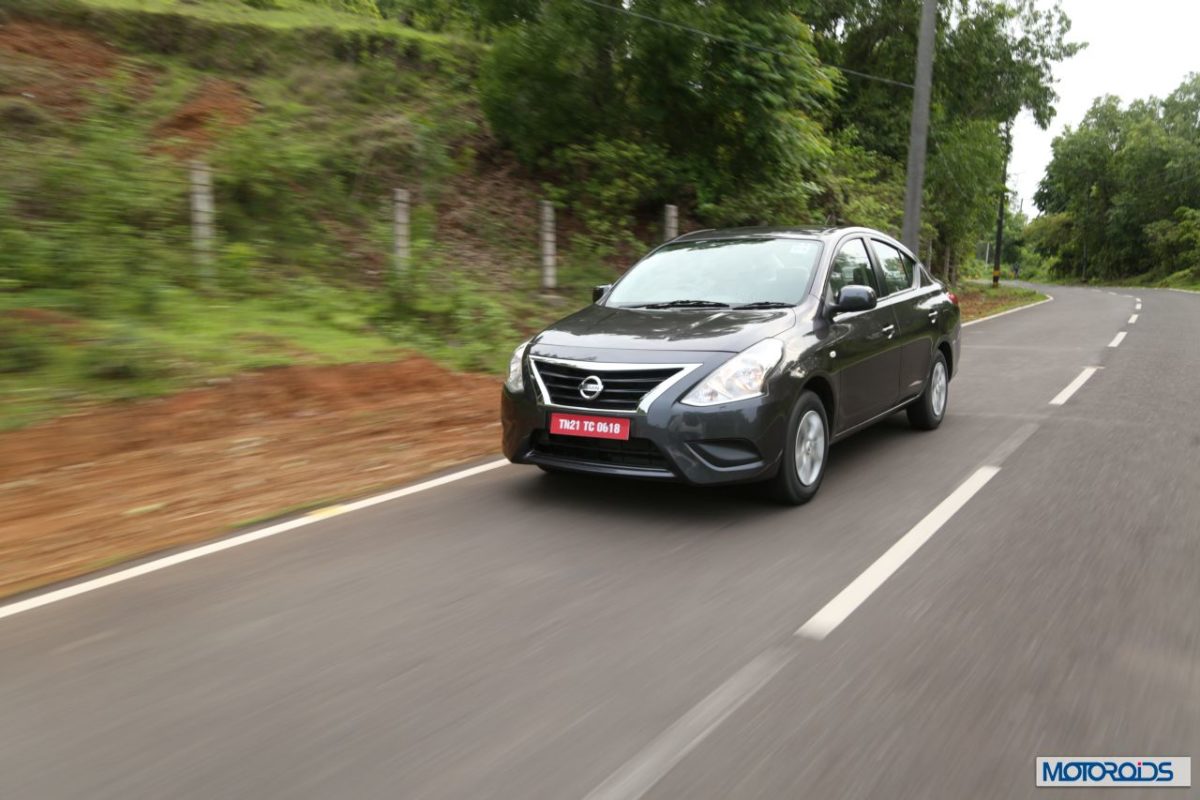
(191, 554)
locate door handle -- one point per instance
(890, 330)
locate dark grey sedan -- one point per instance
(733, 356)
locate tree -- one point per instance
(1128, 180)
(740, 122)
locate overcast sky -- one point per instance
(1135, 49)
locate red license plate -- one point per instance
(593, 427)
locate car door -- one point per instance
(916, 320)
(864, 348)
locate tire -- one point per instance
(799, 478)
(927, 411)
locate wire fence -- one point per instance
(198, 221)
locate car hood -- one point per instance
(693, 330)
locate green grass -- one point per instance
(979, 299)
(200, 338)
(281, 15)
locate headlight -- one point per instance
(515, 382)
(741, 377)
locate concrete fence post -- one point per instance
(670, 222)
(549, 253)
(202, 219)
(400, 228)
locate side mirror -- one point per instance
(598, 292)
(854, 298)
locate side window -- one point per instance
(851, 267)
(897, 271)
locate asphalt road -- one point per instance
(517, 635)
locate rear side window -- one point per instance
(897, 271)
(851, 267)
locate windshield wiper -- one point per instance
(765, 304)
(685, 304)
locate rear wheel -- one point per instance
(927, 411)
(805, 452)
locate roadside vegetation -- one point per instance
(1122, 195)
(310, 112)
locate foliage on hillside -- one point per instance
(310, 112)
(1122, 192)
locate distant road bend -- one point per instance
(1022, 582)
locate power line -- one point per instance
(739, 42)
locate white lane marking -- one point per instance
(1062, 397)
(1138, 307)
(639, 774)
(1133, 319)
(843, 605)
(1010, 311)
(37, 601)
(1010, 445)
(1116, 342)
(1138, 299)
(1114, 294)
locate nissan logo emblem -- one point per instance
(590, 387)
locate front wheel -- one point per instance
(805, 452)
(927, 411)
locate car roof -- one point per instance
(764, 232)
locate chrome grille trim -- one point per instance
(599, 368)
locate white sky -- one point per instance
(1135, 49)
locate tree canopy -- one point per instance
(1121, 194)
(760, 111)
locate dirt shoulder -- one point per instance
(84, 492)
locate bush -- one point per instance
(21, 349)
(238, 267)
(606, 180)
(124, 356)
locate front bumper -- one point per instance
(731, 443)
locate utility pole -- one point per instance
(918, 127)
(1000, 216)
(1087, 214)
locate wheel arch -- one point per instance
(948, 353)
(822, 387)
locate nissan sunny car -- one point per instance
(734, 356)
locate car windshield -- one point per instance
(721, 272)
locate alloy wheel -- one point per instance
(937, 393)
(810, 448)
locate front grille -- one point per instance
(629, 453)
(623, 388)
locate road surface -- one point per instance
(1024, 581)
